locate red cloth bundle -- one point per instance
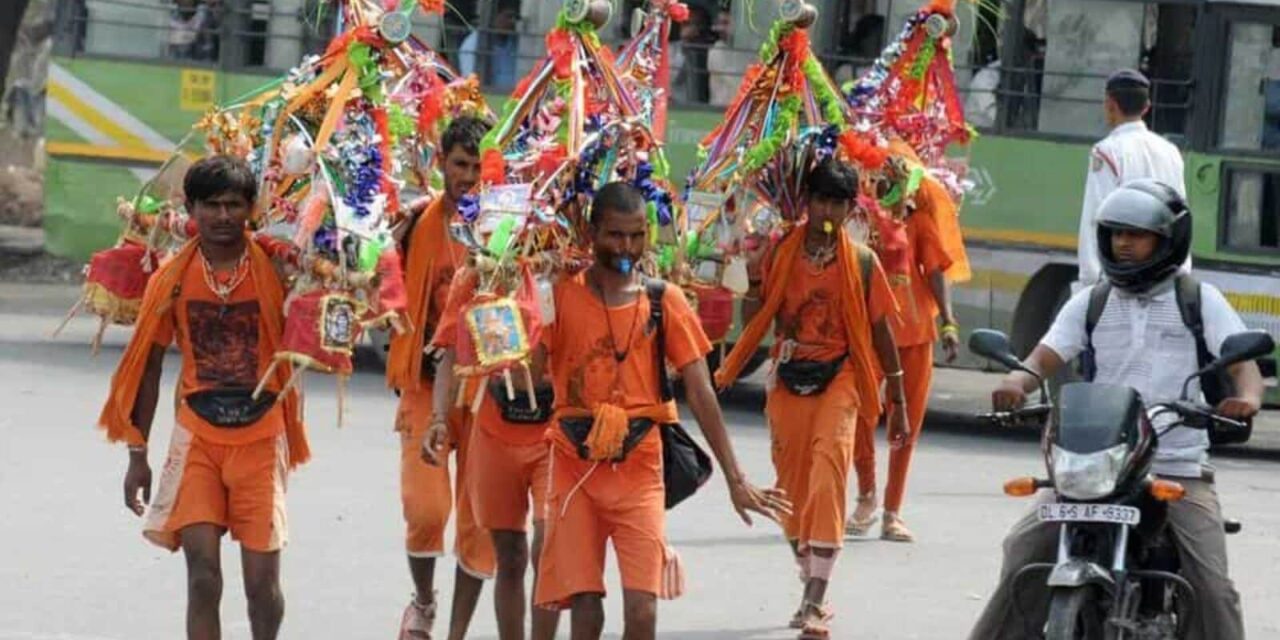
(715, 311)
(320, 332)
(115, 281)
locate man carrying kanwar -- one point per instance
(431, 257)
(221, 300)
(607, 476)
(830, 306)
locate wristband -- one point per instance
(895, 374)
(137, 448)
(950, 327)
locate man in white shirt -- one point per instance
(1140, 341)
(1129, 152)
(725, 65)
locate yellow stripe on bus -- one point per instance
(1016, 283)
(1254, 303)
(99, 152)
(85, 112)
(1055, 240)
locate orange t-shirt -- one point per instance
(586, 338)
(221, 348)
(810, 313)
(914, 324)
(460, 292)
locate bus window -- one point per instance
(1251, 118)
(1249, 221)
(1069, 49)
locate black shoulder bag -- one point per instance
(685, 466)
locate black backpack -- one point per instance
(1216, 386)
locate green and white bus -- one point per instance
(128, 78)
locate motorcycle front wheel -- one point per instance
(1075, 613)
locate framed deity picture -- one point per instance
(339, 324)
(498, 332)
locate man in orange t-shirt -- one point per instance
(431, 257)
(922, 293)
(606, 447)
(508, 441)
(221, 300)
(832, 327)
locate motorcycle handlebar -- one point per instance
(1022, 415)
(1199, 416)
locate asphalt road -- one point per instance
(74, 566)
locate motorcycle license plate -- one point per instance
(1111, 513)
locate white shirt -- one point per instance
(1141, 342)
(725, 68)
(1129, 152)
(467, 54)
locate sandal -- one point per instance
(895, 530)
(861, 527)
(813, 628)
(417, 620)
(814, 631)
(799, 621)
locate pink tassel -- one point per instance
(310, 215)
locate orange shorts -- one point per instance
(813, 442)
(512, 473)
(239, 488)
(589, 504)
(427, 495)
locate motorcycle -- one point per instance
(1116, 573)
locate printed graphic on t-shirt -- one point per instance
(814, 318)
(224, 342)
(597, 368)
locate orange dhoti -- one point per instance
(917, 378)
(591, 503)
(427, 494)
(813, 442)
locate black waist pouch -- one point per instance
(517, 410)
(577, 430)
(230, 408)
(809, 377)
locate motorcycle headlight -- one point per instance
(1087, 476)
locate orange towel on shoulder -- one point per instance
(853, 307)
(117, 414)
(427, 245)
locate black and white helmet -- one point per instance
(1147, 205)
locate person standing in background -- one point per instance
(1129, 152)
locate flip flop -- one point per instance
(895, 530)
(798, 621)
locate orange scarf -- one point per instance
(853, 309)
(162, 290)
(427, 243)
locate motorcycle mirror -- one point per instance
(993, 345)
(1242, 347)
(1237, 348)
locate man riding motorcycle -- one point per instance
(1139, 341)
